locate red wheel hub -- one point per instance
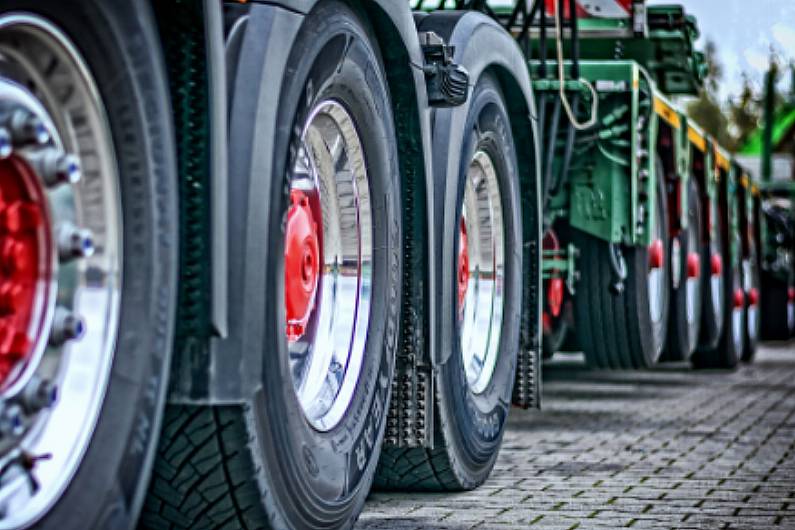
(463, 264)
(693, 265)
(791, 294)
(301, 264)
(25, 265)
(556, 287)
(753, 296)
(739, 298)
(716, 265)
(656, 254)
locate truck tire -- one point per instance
(778, 307)
(729, 349)
(474, 385)
(752, 288)
(687, 289)
(301, 451)
(624, 328)
(712, 302)
(92, 175)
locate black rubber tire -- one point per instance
(470, 426)
(261, 464)
(753, 315)
(120, 46)
(775, 308)
(729, 350)
(683, 336)
(712, 321)
(615, 329)
(559, 337)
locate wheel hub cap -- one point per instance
(656, 254)
(716, 265)
(463, 264)
(693, 265)
(480, 309)
(25, 243)
(301, 264)
(328, 266)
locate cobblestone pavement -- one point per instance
(668, 448)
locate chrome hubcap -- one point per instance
(328, 265)
(481, 273)
(60, 155)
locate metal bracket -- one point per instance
(447, 82)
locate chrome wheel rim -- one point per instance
(480, 272)
(751, 294)
(656, 281)
(327, 331)
(716, 272)
(738, 308)
(71, 154)
(693, 281)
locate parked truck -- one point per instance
(258, 256)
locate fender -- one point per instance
(480, 45)
(258, 43)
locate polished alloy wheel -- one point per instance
(693, 276)
(716, 263)
(657, 279)
(328, 264)
(60, 270)
(752, 300)
(481, 272)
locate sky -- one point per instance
(744, 31)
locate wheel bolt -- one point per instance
(27, 128)
(11, 421)
(54, 167)
(6, 148)
(74, 242)
(38, 394)
(66, 326)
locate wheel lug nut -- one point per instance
(66, 326)
(27, 128)
(74, 242)
(11, 421)
(54, 167)
(6, 148)
(38, 394)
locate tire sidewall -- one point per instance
(318, 477)
(479, 419)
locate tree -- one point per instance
(705, 110)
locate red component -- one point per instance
(546, 322)
(555, 296)
(656, 254)
(463, 264)
(753, 296)
(716, 264)
(25, 247)
(693, 265)
(301, 264)
(739, 298)
(791, 294)
(594, 8)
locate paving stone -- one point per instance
(664, 448)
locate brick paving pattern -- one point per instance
(668, 448)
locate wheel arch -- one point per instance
(225, 370)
